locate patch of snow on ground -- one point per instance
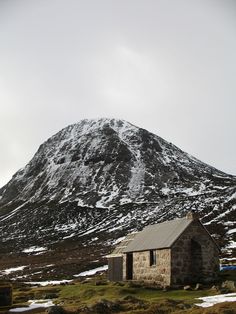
(94, 239)
(69, 236)
(125, 200)
(219, 217)
(92, 271)
(192, 191)
(232, 231)
(33, 304)
(66, 227)
(34, 249)
(46, 283)
(229, 223)
(12, 270)
(49, 265)
(90, 231)
(165, 190)
(228, 259)
(232, 245)
(210, 301)
(25, 276)
(217, 187)
(82, 204)
(106, 199)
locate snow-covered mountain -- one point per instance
(96, 180)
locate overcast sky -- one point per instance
(165, 65)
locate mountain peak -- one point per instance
(102, 162)
(86, 126)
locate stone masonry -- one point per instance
(159, 273)
(142, 271)
(187, 266)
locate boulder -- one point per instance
(229, 284)
(55, 310)
(187, 288)
(104, 307)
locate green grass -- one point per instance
(174, 294)
(131, 297)
(139, 300)
(89, 293)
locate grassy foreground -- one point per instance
(97, 296)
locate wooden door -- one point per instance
(115, 269)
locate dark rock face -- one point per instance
(97, 180)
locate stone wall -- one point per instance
(159, 273)
(194, 256)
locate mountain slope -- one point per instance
(96, 180)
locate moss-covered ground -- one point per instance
(99, 296)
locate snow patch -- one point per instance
(215, 299)
(69, 236)
(232, 231)
(33, 304)
(34, 249)
(165, 191)
(12, 270)
(92, 271)
(232, 245)
(48, 282)
(228, 259)
(125, 200)
(66, 227)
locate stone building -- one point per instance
(173, 252)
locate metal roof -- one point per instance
(118, 251)
(158, 236)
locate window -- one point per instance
(153, 257)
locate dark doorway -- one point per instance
(115, 269)
(196, 261)
(129, 266)
(5, 295)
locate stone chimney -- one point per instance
(192, 215)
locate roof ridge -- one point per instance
(165, 222)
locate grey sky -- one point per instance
(165, 65)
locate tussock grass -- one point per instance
(123, 298)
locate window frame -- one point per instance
(153, 257)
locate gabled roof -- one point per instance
(158, 236)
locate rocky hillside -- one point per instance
(97, 180)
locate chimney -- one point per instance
(192, 215)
